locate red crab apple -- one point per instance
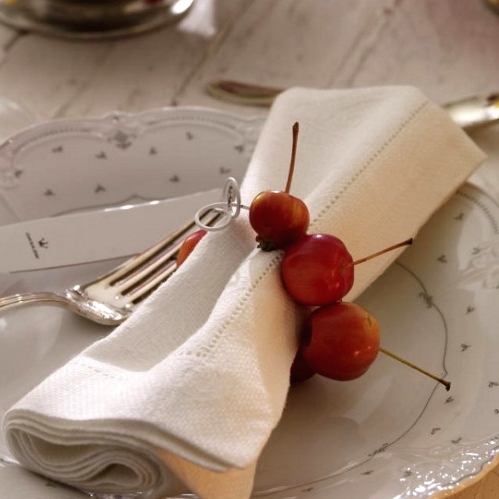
(317, 270)
(188, 245)
(340, 341)
(300, 370)
(277, 217)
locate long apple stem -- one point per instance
(417, 368)
(296, 129)
(407, 242)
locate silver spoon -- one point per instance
(469, 113)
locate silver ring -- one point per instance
(229, 207)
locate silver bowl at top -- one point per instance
(91, 19)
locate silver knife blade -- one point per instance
(95, 235)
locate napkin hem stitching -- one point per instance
(207, 349)
(354, 178)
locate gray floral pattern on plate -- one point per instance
(122, 158)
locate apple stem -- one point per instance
(296, 128)
(407, 242)
(417, 368)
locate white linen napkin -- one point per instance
(186, 392)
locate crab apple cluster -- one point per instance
(339, 340)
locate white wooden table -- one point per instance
(448, 48)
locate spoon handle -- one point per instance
(243, 93)
(475, 112)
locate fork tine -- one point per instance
(140, 275)
(135, 262)
(166, 256)
(171, 244)
(146, 286)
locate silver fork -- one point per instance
(112, 297)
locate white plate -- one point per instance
(393, 434)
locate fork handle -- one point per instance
(73, 301)
(24, 299)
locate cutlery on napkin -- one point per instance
(185, 394)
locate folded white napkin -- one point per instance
(186, 392)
